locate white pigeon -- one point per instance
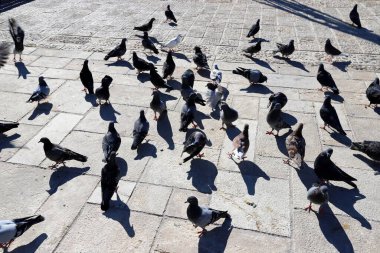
(173, 43)
(214, 94)
(216, 75)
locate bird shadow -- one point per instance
(153, 59)
(290, 119)
(199, 116)
(203, 174)
(30, 247)
(145, 150)
(335, 97)
(215, 114)
(122, 63)
(232, 132)
(91, 98)
(251, 173)
(176, 85)
(281, 143)
(108, 113)
(204, 73)
(121, 214)
(260, 62)
(44, 108)
(342, 65)
(307, 175)
(123, 166)
(372, 164)
(343, 139)
(143, 77)
(6, 141)
(333, 231)
(22, 70)
(216, 239)
(377, 110)
(257, 88)
(164, 129)
(9, 5)
(62, 175)
(345, 199)
(181, 56)
(293, 63)
(166, 97)
(257, 39)
(172, 24)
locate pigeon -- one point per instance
(140, 64)
(173, 43)
(4, 54)
(326, 80)
(7, 125)
(295, 145)
(373, 93)
(111, 141)
(170, 15)
(18, 35)
(200, 59)
(103, 93)
(285, 49)
(253, 75)
(330, 117)
(203, 216)
(109, 180)
(188, 78)
(354, 16)
(370, 148)
(255, 28)
(148, 43)
(60, 154)
(275, 98)
(140, 130)
(145, 27)
(214, 94)
(187, 91)
(216, 75)
(157, 105)
(240, 144)
(188, 113)
(194, 145)
(157, 80)
(169, 67)
(11, 229)
(275, 120)
(86, 78)
(326, 170)
(317, 194)
(228, 115)
(41, 92)
(255, 48)
(332, 51)
(118, 51)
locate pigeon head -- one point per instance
(224, 106)
(45, 140)
(192, 200)
(216, 66)
(263, 79)
(41, 81)
(291, 42)
(327, 100)
(123, 40)
(151, 20)
(355, 7)
(258, 22)
(106, 81)
(328, 42)
(328, 152)
(246, 127)
(321, 67)
(197, 49)
(145, 35)
(211, 86)
(134, 54)
(323, 188)
(85, 63)
(142, 115)
(168, 7)
(298, 131)
(271, 98)
(375, 82)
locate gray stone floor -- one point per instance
(149, 214)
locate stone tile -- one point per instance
(41, 115)
(61, 53)
(19, 70)
(9, 109)
(61, 74)
(247, 108)
(292, 105)
(362, 131)
(32, 153)
(51, 62)
(28, 85)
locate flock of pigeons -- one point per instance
(200, 216)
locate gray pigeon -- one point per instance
(200, 59)
(326, 169)
(109, 180)
(157, 105)
(188, 113)
(187, 91)
(194, 145)
(103, 92)
(60, 154)
(370, 148)
(41, 92)
(240, 144)
(157, 80)
(253, 49)
(354, 16)
(275, 120)
(140, 130)
(11, 229)
(111, 141)
(295, 145)
(275, 98)
(118, 51)
(326, 80)
(253, 75)
(317, 194)
(7, 125)
(255, 28)
(228, 115)
(330, 117)
(373, 93)
(18, 35)
(285, 49)
(4, 54)
(203, 216)
(214, 94)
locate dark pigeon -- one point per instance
(86, 78)
(170, 15)
(194, 145)
(253, 75)
(111, 141)
(228, 115)
(326, 170)
(118, 51)
(253, 49)
(326, 80)
(187, 91)
(330, 117)
(275, 120)
(317, 194)
(145, 27)
(41, 92)
(332, 51)
(7, 125)
(148, 43)
(285, 49)
(203, 216)
(140, 64)
(60, 154)
(373, 93)
(4, 54)
(169, 67)
(188, 78)
(103, 93)
(157, 105)
(188, 113)
(370, 148)
(18, 35)
(109, 180)
(140, 130)
(254, 29)
(200, 59)
(157, 80)
(354, 16)
(275, 98)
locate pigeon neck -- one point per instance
(48, 146)
(193, 211)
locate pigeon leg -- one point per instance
(270, 132)
(230, 154)
(201, 155)
(286, 161)
(222, 127)
(155, 116)
(20, 57)
(201, 232)
(194, 125)
(323, 127)
(308, 208)
(370, 106)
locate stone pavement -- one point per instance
(149, 214)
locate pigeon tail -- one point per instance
(24, 224)
(104, 206)
(352, 184)
(238, 72)
(335, 90)
(106, 57)
(216, 215)
(357, 146)
(297, 159)
(79, 157)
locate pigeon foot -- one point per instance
(201, 232)
(201, 155)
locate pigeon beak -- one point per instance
(269, 104)
(186, 201)
(39, 141)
